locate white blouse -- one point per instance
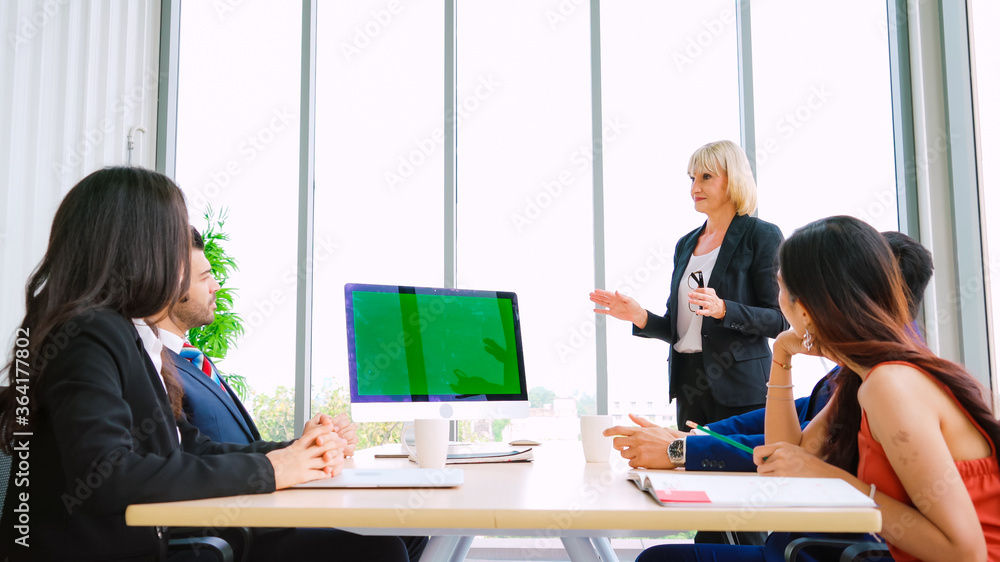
(689, 323)
(151, 342)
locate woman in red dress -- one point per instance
(920, 427)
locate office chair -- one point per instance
(207, 549)
(853, 551)
(5, 462)
(238, 540)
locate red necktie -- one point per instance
(198, 359)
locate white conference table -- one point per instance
(556, 495)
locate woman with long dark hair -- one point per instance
(918, 428)
(94, 413)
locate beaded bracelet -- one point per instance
(769, 385)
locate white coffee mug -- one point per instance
(596, 447)
(431, 442)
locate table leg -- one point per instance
(440, 549)
(604, 550)
(580, 549)
(461, 549)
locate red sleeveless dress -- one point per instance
(981, 478)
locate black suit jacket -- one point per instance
(104, 437)
(734, 349)
(217, 413)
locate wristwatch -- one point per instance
(676, 452)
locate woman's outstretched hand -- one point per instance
(319, 453)
(620, 306)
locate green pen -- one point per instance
(722, 438)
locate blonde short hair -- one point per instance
(727, 156)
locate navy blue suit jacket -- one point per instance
(706, 453)
(737, 359)
(222, 418)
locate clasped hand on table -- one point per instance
(318, 453)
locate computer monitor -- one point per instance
(419, 352)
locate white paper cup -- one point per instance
(596, 447)
(431, 442)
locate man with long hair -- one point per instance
(93, 400)
(211, 405)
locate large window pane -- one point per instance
(237, 149)
(379, 207)
(525, 191)
(670, 83)
(984, 19)
(824, 119)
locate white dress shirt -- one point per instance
(153, 346)
(689, 323)
(172, 341)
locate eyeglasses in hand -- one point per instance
(696, 281)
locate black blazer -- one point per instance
(737, 359)
(217, 413)
(104, 438)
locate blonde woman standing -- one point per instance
(723, 302)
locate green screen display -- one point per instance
(419, 344)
